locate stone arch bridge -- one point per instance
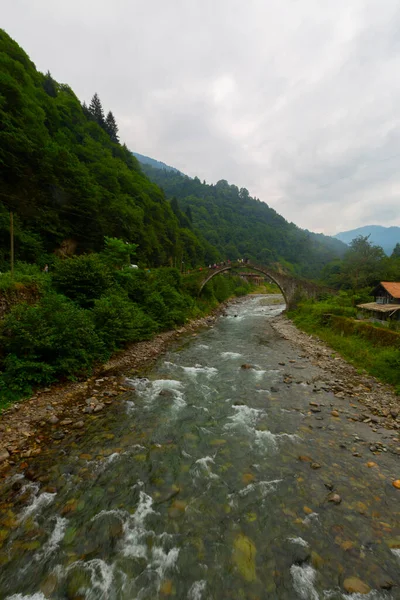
(293, 289)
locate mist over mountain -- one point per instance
(386, 237)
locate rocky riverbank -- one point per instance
(29, 426)
(382, 405)
(52, 413)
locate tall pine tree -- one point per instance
(96, 111)
(112, 128)
(49, 85)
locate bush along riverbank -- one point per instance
(86, 309)
(369, 347)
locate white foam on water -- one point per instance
(203, 347)
(196, 590)
(231, 355)
(33, 487)
(37, 504)
(135, 530)
(101, 577)
(396, 552)
(300, 541)
(193, 372)
(268, 392)
(372, 595)
(265, 487)
(204, 468)
(129, 407)
(116, 512)
(151, 390)
(303, 577)
(259, 374)
(244, 416)
(311, 519)
(163, 560)
(266, 439)
(139, 384)
(37, 596)
(54, 540)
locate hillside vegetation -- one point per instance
(68, 180)
(241, 226)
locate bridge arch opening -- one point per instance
(244, 266)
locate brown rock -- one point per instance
(4, 455)
(335, 498)
(53, 420)
(335, 413)
(354, 585)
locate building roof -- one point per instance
(384, 308)
(393, 287)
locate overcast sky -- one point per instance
(296, 100)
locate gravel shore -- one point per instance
(381, 403)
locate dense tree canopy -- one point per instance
(68, 180)
(241, 226)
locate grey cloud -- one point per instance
(297, 101)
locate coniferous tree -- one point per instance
(86, 111)
(49, 85)
(396, 251)
(112, 128)
(96, 111)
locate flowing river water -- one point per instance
(209, 481)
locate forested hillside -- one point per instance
(67, 179)
(241, 226)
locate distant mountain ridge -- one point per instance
(157, 164)
(386, 237)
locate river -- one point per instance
(213, 478)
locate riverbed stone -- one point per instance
(354, 585)
(244, 555)
(4, 454)
(53, 420)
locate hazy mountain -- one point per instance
(157, 164)
(386, 237)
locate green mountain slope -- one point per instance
(242, 226)
(157, 164)
(67, 182)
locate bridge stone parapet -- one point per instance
(293, 289)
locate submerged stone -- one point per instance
(354, 585)
(244, 555)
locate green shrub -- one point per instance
(82, 278)
(24, 275)
(118, 320)
(136, 282)
(52, 339)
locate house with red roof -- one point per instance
(387, 301)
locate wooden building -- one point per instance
(387, 302)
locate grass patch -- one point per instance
(352, 343)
